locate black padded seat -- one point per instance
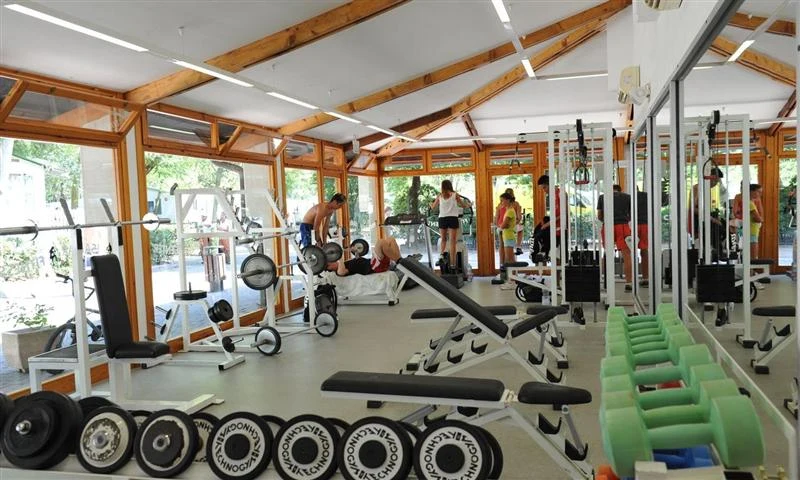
(761, 261)
(515, 264)
(540, 393)
(477, 312)
(190, 295)
(530, 323)
(778, 311)
(114, 315)
(456, 388)
(424, 313)
(536, 309)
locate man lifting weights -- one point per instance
(384, 252)
(317, 218)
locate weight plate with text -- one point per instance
(205, 423)
(359, 247)
(239, 447)
(304, 449)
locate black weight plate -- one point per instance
(240, 446)
(315, 257)
(359, 247)
(452, 450)
(190, 295)
(67, 415)
(375, 447)
(333, 252)
(6, 405)
(268, 275)
(273, 339)
(327, 324)
(304, 449)
(275, 423)
(221, 311)
(205, 423)
(413, 431)
(105, 440)
(166, 443)
(32, 430)
(497, 454)
(90, 404)
(139, 416)
(340, 424)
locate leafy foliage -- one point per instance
(63, 162)
(21, 315)
(18, 259)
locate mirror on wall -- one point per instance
(640, 192)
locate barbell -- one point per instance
(359, 247)
(259, 272)
(150, 221)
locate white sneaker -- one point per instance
(759, 286)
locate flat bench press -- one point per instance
(554, 345)
(492, 329)
(477, 401)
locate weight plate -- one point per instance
(519, 293)
(375, 447)
(327, 324)
(166, 443)
(90, 404)
(275, 423)
(333, 252)
(340, 424)
(304, 449)
(205, 423)
(66, 417)
(359, 247)
(139, 416)
(268, 341)
(228, 345)
(240, 446)
(497, 454)
(258, 272)
(6, 405)
(315, 257)
(452, 450)
(221, 311)
(413, 431)
(105, 442)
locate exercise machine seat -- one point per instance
(479, 389)
(448, 291)
(536, 309)
(540, 393)
(530, 323)
(778, 311)
(761, 261)
(114, 315)
(515, 264)
(423, 313)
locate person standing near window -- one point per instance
(449, 203)
(508, 227)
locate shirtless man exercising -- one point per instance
(384, 252)
(317, 219)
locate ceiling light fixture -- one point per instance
(343, 117)
(739, 51)
(751, 39)
(703, 67)
(73, 26)
(573, 77)
(502, 13)
(292, 100)
(528, 67)
(213, 73)
(382, 130)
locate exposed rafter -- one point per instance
(751, 22)
(544, 34)
(472, 130)
(500, 84)
(786, 110)
(404, 127)
(226, 147)
(12, 98)
(271, 46)
(628, 123)
(756, 61)
(282, 146)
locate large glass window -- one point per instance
(522, 184)
(302, 193)
(787, 216)
(362, 203)
(208, 259)
(511, 156)
(35, 272)
(68, 112)
(455, 158)
(406, 161)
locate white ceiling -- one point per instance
(403, 43)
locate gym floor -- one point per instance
(380, 338)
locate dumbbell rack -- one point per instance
(184, 199)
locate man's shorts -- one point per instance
(621, 231)
(642, 233)
(305, 234)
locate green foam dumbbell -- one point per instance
(688, 394)
(733, 427)
(653, 341)
(616, 323)
(650, 354)
(684, 358)
(638, 322)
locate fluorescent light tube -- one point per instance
(343, 117)
(501, 11)
(573, 77)
(292, 100)
(73, 26)
(382, 130)
(739, 51)
(528, 67)
(213, 73)
(703, 67)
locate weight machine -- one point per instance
(82, 356)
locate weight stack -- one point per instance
(454, 279)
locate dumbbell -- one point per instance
(686, 358)
(615, 342)
(648, 354)
(665, 397)
(638, 322)
(733, 428)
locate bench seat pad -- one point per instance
(540, 393)
(778, 311)
(515, 264)
(497, 310)
(415, 386)
(536, 309)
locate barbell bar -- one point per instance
(258, 238)
(268, 339)
(149, 221)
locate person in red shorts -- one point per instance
(384, 252)
(622, 229)
(642, 233)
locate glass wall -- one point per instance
(302, 193)
(362, 203)
(35, 274)
(522, 184)
(208, 259)
(787, 217)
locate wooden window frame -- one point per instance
(429, 153)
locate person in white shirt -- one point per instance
(449, 203)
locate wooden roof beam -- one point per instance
(500, 84)
(784, 28)
(267, 48)
(11, 99)
(756, 61)
(226, 147)
(472, 130)
(604, 10)
(403, 127)
(786, 110)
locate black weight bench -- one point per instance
(436, 313)
(477, 401)
(481, 323)
(772, 340)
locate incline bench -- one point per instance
(491, 328)
(477, 401)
